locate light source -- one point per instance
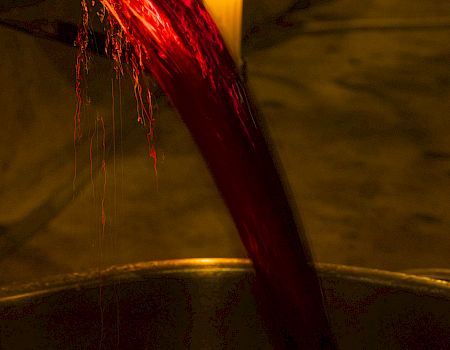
(228, 16)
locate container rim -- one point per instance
(127, 273)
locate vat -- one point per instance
(208, 304)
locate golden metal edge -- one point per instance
(91, 278)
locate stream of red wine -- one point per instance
(179, 43)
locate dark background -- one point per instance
(356, 95)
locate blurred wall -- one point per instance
(355, 96)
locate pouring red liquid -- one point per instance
(179, 43)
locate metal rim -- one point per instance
(138, 271)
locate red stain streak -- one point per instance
(91, 159)
(104, 173)
(81, 66)
(144, 105)
(114, 45)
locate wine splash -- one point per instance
(179, 43)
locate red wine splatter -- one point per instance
(117, 47)
(179, 43)
(81, 67)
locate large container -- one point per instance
(208, 304)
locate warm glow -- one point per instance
(228, 16)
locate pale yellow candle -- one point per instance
(228, 16)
